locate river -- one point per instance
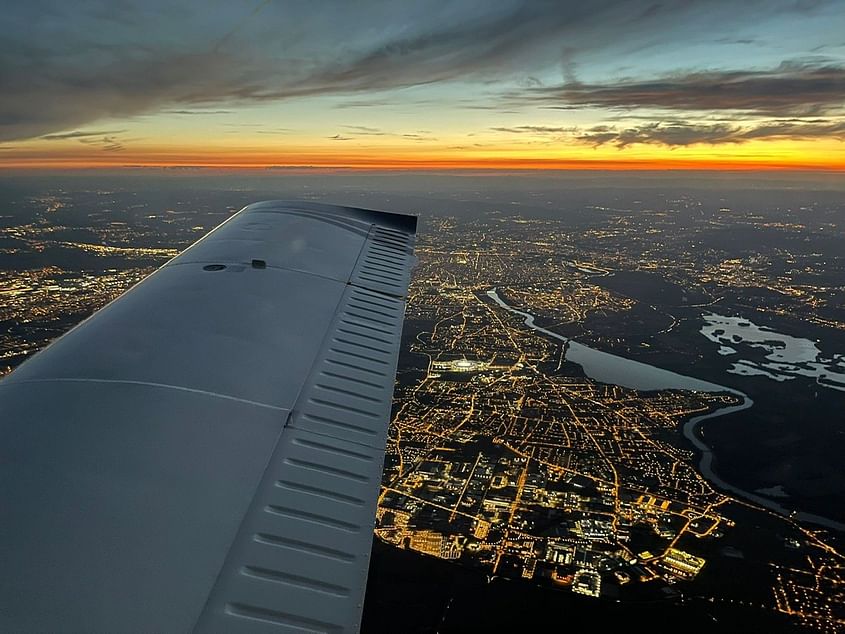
(613, 369)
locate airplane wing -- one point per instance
(205, 452)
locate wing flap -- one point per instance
(303, 549)
(350, 390)
(311, 522)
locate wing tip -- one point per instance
(391, 220)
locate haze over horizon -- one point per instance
(397, 85)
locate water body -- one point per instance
(705, 465)
(774, 355)
(610, 368)
(613, 369)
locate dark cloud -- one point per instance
(678, 133)
(357, 131)
(489, 40)
(79, 134)
(793, 88)
(418, 137)
(197, 112)
(375, 103)
(363, 130)
(105, 143)
(105, 140)
(110, 145)
(66, 64)
(684, 134)
(541, 130)
(737, 40)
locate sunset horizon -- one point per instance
(522, 86)
(527, 165)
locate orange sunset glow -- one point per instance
(772, 155)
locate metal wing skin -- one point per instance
(205, 452)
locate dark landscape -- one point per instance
(510, 477)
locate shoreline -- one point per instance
(607, 368)
(692, 431)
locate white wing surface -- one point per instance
(205, 452)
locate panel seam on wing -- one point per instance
(166, 386)
(244, 519)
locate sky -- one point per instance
(388, 84)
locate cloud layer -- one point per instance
(64, 65)
(679, 133)
(791, 89)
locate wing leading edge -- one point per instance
(205, 452)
